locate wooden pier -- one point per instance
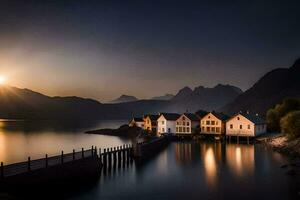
(119, 156)
(46, 162)
(147, 149)
(66, 167)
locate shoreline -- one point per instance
(122, 131)
(281, 144)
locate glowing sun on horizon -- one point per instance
(2, 80)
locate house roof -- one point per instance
(192, 116)
(152, 117)
(138, 119)
(255, 118)
(220, 116)
(170, 116)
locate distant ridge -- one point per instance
(165, 97)
(124, 98)
(204, 98)
(269, 90)
(16, 103)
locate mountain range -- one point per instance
(26, 104)
(19, 103)
(269, 90)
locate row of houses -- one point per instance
(241, 124)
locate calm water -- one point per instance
(184, 170)
(193, 170)
(20, 139)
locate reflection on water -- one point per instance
(184, 170)
(20, 139)
(183, 153)
(210, 166)
(240, 159)
(200, 170)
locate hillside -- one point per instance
(268, 91)
(24, 103)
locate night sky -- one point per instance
(102, 49)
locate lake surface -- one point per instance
(20, 139)
(201, 170)
(183, 170)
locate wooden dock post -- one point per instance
(92, 151)
(62, 157)
(115, 157)
(100, 156)
(238, 139)
(109, 158)
(119, 155)
(123, 154)
(73, 154)
(131, 153)
(28, 164)
(2, 170)
(104, 159)
(82, 152)
(46, 160)
(95, 152)
(127, 152)
(247, 139)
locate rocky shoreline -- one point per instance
(281, 144)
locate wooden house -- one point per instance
(137, 121)
(166, 123)
(213, 123)
(245, 124)
(150, 123)
(187, 124)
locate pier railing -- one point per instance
(108, 158)
(31, 165)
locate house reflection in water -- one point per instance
(183, 152)
(212, 158)
(240, 159)
(186, 153)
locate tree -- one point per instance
(290, 124)
(274, 115)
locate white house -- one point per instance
(136, 121)
(213, 123)
(166, 123)
(245, 124)
(186, 124)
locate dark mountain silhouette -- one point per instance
(16, 103)
(24, 103)
(271, 89)
(182, 94)
(164, 97)
(124, 98)
(203, 98)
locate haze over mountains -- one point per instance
(268, 91)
